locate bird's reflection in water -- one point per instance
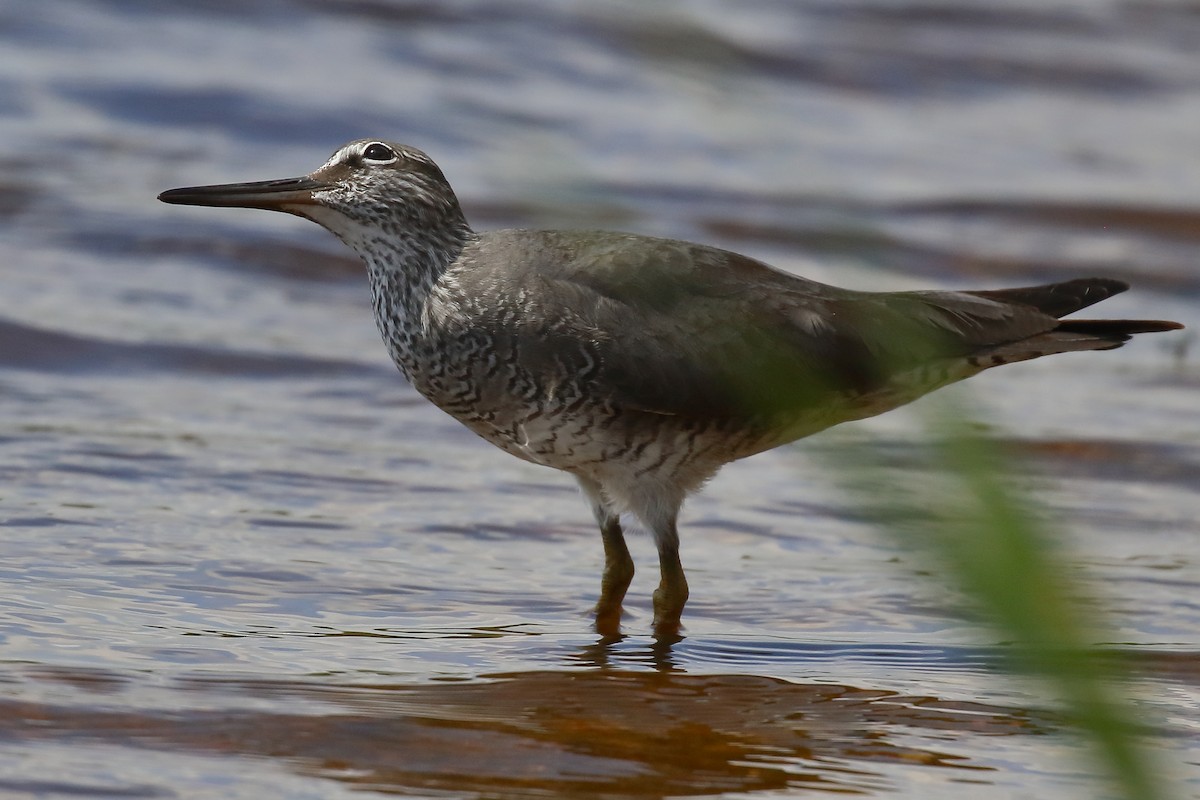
(609, 650)
(629, 722)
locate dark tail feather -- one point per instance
(1117, 327)
(1060, 299)
(1116, 331)
(1069, 335)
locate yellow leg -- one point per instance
(672, 593)
(618, 572)
(618, 564)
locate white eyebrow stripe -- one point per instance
(413, 155)
(357, 149)
(339, 157)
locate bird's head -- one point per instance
(366, 189)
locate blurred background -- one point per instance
(233, 536)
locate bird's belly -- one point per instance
(562, 429)
(567, 439)
(561, 441)
(572, 428)
(601, 443)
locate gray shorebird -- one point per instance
(641, 365)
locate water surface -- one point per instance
(242, 558)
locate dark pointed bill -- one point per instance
(258, 194)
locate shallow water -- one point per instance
(242, 558)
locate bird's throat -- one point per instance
(404, 272)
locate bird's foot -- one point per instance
(608, 620)
(669, 600)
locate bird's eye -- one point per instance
(377, 151)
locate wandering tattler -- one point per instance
(640, 365)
